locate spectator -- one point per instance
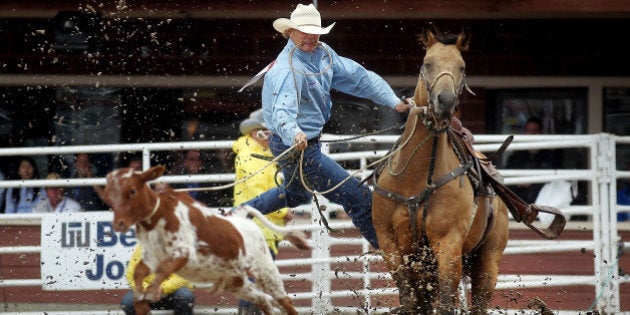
(532, 159)
(176, 291)
(193, 163)
(55, 199)
(296, 105)
(195, 130)
(132, 160)
(23, 199)
(87, 196)
(252, 155)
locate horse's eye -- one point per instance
(462, 70)
(427, 66)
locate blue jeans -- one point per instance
(320, 173)
(181, 302)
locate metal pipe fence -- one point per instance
(602, 209)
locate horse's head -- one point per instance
(442, 74)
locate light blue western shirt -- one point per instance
(310, 77)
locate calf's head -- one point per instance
(128, 194)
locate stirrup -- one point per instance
(548, 231)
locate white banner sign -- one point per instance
(81, 251)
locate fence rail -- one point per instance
(601, 176)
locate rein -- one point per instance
(413, 203)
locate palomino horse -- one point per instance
(433, 223)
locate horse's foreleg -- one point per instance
(485, 264)
(449, 261)
(483, 281)
(407, 288)
(402, 274)
(394, 243)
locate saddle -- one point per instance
(490, 180)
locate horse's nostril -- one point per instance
(447, 99)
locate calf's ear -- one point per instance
(153, 173)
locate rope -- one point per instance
(363, 135)
(275, 160)
(385, 157)
(279, 157)
(413, 130)
(294, 70)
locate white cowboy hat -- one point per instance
(305, 19)
(255, 121)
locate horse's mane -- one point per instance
(445, 38)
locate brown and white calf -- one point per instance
(183, 236)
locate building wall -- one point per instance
(227, 40)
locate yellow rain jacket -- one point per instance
(169, 285)
(246, 163)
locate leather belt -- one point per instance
(313, 141)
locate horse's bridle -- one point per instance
(431, 85)
(413, 203)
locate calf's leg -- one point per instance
(267, 277)
(164, 269)
(287, 305)
(250, 292)
(142, 307)
(141, 272)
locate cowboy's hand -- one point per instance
(403, 106)
(301, 141)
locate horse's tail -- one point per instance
(297, 238)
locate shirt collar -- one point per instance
(302, 55)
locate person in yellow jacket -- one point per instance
(177, 292)
(252, 155)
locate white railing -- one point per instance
(602, 209)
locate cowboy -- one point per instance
(296, 105)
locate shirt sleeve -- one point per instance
(9, 204)
(352, 78)
(41, 206)
(284, 104)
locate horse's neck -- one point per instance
(414, 119)
(416, 138)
